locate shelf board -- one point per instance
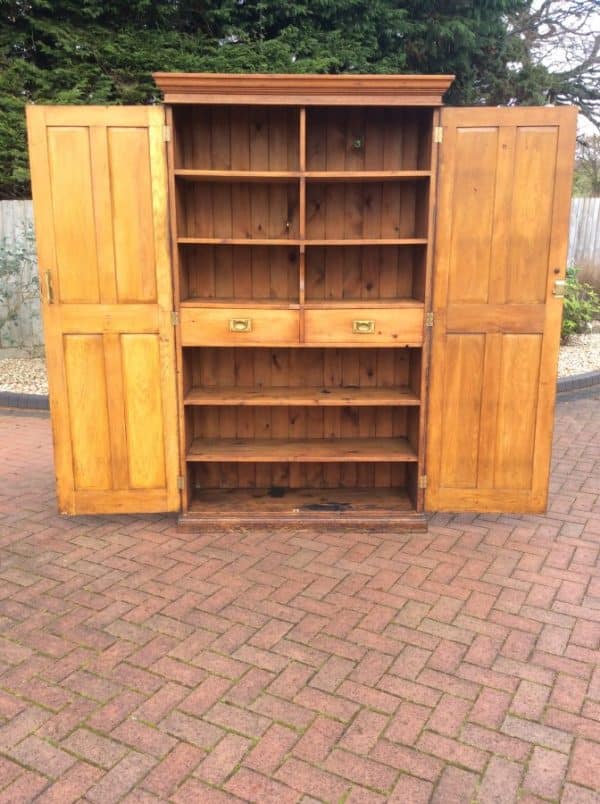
(381, 508)
(314, 397)
(255, 241)
(238, 241)
(327, 176)
(267, 304)
(370, 241)
(363, 304)
(285, 176)
(311, 450)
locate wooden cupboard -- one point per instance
(301, 299)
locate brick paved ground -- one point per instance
(141, 664)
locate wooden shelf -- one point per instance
(254, 241)
(314, 397)
(285, 176)
(305, 450)
(374, 241)
(337, 507)
(361, 304)
(233, 304)
(326, 176)
(290, 176)
(237, 241)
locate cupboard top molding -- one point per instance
(300, 90)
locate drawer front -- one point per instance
(400, 326)
(243, 326)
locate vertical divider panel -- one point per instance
(302, 225)
(427, 296)
(174, 145)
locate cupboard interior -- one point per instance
(215, 137)
(318, 376)
(239, 273)
(363, 139)
(363, 273)
(259, 221)
(367, 210)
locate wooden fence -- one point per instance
(584, 238)
(25, 334)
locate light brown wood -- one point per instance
(336, 450)
(401, 326)
(501, 240)
(99, 191)
(303, 90)
(364, 508)
(212, 326)
(323, 396)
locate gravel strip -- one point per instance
(580, 355)
(28, 375)
(23, 375)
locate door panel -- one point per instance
(501, 243)
(99, 191)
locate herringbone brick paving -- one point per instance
(141, 664)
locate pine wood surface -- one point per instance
(502, 226)
(100, 201)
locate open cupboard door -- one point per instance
(501, 247)
(99, 193)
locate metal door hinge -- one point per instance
(174, 318)
(49, 288)
(180, 482)
(438, 133)
(429, 320)
(167, 133)
(422, 481)
(560, 287)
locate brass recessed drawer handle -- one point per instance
(365, 326)
(240, 324)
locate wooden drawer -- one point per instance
(243, 326)
(398, 326)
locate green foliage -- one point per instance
(581, 305)
(103, 51)
(18, 276)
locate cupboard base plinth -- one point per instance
(382, 509)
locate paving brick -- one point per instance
(314, 781)
(166, 776)
(25, 788)
(270, 750)
(500, 783)
(530, 700)
(411, 791)
(119, 781)
(136, 656)
(449, 715)
(72, 785)
(191, 729)
(585, 761)
(94, 748)
(222, 760)
(532, 732)
(456, 786)
(319, 739)
(452, 751)
(407, 723)
(40, 756)
(545, 773)
(364, 732)
(144, 738)
(252, 786)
